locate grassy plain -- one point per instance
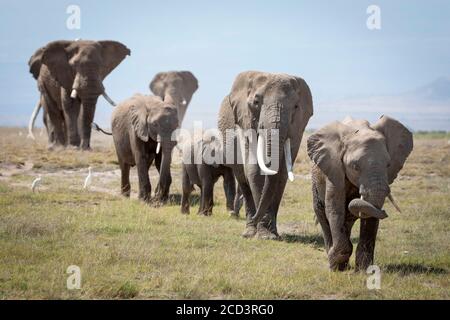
(126, 249)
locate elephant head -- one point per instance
(80, 68)
(175, 87)
(157, 124)
(370, 157)
(276, 103)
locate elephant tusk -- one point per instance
(33, 119)
(288, 158)
(260, 157)
(107, 98)
(184, 102)
(74, 93)
(391, 199)
(158, 147)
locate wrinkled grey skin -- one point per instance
(62, 66)
(205, 175)
(261, 100)
(354, 159)
(137, 125)
(176, 87)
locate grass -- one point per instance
(127, 250)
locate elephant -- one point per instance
(354, 163)
(175, 87)
(69, 76)
(204, 174)
(264, 101)
(142, 130)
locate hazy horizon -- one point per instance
(402, 69)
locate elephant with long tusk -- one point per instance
(70, 78)
(272, 110)
(354, 165)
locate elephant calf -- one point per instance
(142, 128)
(197, 170)
(354, 164)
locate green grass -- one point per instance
(127, 250)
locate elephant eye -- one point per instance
(355, 166)
(296, 106)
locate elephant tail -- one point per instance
(97, 128)
(33, 119)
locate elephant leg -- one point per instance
(187, 189)
(49, 127)
(250, 210)
(71, 110)
(319, 209)
(207, 189)
(366, 245)
(55, 117)
(229, 187)
(125, 179)
(341, 249)
(145, 189)
(237, 204)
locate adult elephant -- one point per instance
(278, 102)
(142, 129)
(176, 87)
(354, 164)
(70, 76)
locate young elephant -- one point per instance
(354, 164)
(142, 128)
(198, 170)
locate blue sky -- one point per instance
(325, 42)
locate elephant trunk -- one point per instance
(364, 209)
(85, 120)
(276, 124)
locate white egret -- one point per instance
(88, 180)
(35, 184)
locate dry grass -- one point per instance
(126, 249)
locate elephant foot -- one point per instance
(205, 213)
(265, 234)
(338, 260)
(233, 214)
(250, 232)
(72, 147)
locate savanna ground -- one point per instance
(126, 249)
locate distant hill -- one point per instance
(424, 108)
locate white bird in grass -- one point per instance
(88, 180)
(35, 184)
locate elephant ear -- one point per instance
(326, 147)
(158, 86)
(56, 58)
(35, 62)
(190, 81)
(306, 102)
(113, 53)
(139, 121)
(399, 143)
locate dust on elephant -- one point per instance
(176, 87)
(69, 76)
(278, 102)
(142, 129)
(201, 168)
(354, 164)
